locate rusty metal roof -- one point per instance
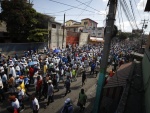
(120, 77)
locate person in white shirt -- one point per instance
(21, 94)
(4, 81)
(50, 92)
(12, 71)
(35, 104)
(15, 105)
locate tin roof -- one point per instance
(120, 77)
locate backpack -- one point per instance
(65, 109)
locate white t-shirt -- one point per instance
(15, 104)
(20, 94)
(35, 103)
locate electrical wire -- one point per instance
(118, 16)
(126, 14)
(133, 13)
(84, 9)
(137, 10)
(66, 9)
(88, 6)
(121, 16)
(74, 7)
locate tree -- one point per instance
(38, 35)
(20, 18)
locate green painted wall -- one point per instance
(146, 79)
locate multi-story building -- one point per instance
(86, 25)
(100, 32)
(74, 26)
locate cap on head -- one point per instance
(67, 100)
(49, 81)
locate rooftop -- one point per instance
(89, 19)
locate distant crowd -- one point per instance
(45, 71)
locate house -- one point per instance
(74, 26)
(70, 23)
(90, 26)
(100, 32)
(52, 23)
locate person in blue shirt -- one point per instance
(93, 65)
(68, 108)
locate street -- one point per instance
(56, 106)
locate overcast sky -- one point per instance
(97, 11)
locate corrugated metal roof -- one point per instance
(120, 77)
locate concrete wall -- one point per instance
(83, 39)
(57, 37)
(146, 78)
(19, 48)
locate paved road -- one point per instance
(55, 107)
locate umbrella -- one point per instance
(31, 63)
(57, 51)
(35, 62)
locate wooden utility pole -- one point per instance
(63, 31)
(108, 36)
(143, 27)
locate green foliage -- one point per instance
(23, 22)
(122, 35)
(38, 35)
(20, 18)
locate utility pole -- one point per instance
(48, 41)
(144, 26)
(108, 36)
(63, 31)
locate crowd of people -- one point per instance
(45, 71)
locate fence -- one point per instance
(19, 48)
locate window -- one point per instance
(99, 33)
(53, 25)
(85, 23)
(99, 28)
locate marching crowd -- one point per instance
(45, 71)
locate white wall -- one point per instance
(57, 37)
(83, 39)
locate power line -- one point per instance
(76, 15)
(128, 11)
(133, 13)
(126, 14)
(66, 9)
(118, 16)
(88, 6)
(79, 20)
(121, 16)
(137, 9)
(73, 6)
(83, 10)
